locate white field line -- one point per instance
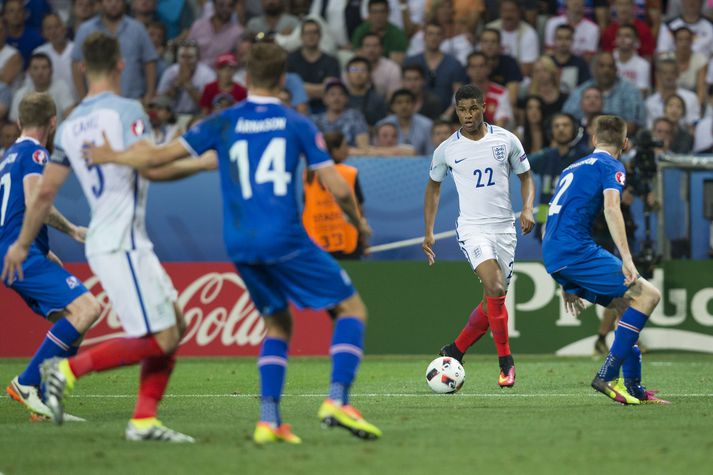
(389, 395)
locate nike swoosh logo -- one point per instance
(20, 391)
(458, 161)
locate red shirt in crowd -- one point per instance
(211, 90)
(647, 43)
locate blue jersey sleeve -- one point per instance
(203, 136)
(34, 161)
(613, 175)
(312, 145)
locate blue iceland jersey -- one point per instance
(259, 143)
(577, 201)
(25, 157)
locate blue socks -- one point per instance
(346, 350)
(625, 337)
(58, 342)
(272, 365)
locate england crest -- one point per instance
(499, 153)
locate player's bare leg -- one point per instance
(642, 298)
(272, 365)
(605, 326)
(346, 352)
(62, 340)
(491, 276)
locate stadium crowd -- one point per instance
(383, 72)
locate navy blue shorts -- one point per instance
(47, 287)
(310, 279)
(599, 279)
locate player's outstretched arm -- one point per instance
(430, 207)
(35, 215)
(182, 168)
(617, 229)
(55, 219)
(339, 188)
(141, 155)
(527, 189)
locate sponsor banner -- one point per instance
(221, 319)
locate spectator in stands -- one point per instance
(620, 97)
(157, 34)
(456, 42)
(10, 63)
(574, 70)
(546, 84)
(666, 86)
(629, 64)
(443, 72)
(225, 66)
(144, 11)
(691, 65)
(385, 73)
(703, 138)
(185, 81)
(38, 9)
(386, 142)
(82, 10)
(342, 17)
(427, 103)
(675, 138)
(216, 34)
(362, 95)
(221, 101)
(518, 38)
(625, 15)
(497, 101)
(586, 32)
(414, 129)
(138, 80)
(313, 65)
(293, 41)
(164, 126)
(692, 18)
(504, 70)
(566, 148)
(9, 133)
(24, 38)
(274, 19)
(41, 80)
(591, 104)
(392, 38)
(406, 15)
(532, 131)
(59, 50)
(338, 117)
(440, 131)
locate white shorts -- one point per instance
(140, 290)
(481, 247)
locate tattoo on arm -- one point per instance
(58, 221)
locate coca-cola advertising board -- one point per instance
(221, 319)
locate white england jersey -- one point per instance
(116, 194)
(481, 171)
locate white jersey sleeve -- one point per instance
(439, 169)
(517, 156)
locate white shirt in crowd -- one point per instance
(184, 103)
(458, 46)
(523, 44)
(59, 90)
(637, 71)
(702, 36)
(703, 138)
(586, 35)
(61, 64)
(655, 106)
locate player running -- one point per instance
(586, 270)
(47, 288)
(118, 249)
(481, 156)
(259, 143)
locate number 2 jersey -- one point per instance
(116, 193)
(259, 143)
(481, 172)
(577, 201)
(24, 158)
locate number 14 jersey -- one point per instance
(481, 172)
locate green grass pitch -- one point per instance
(550, 423)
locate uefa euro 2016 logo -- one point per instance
(499, 153)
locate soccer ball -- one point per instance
(445, 375)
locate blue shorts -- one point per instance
(599, 279)
(310, 279)
(47, 287)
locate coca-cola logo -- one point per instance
(216, 306)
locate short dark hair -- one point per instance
(469, 91)
(413, 67)
(634, 30)
(266, 64)
(334, 140)
(367, 35)
(43, 56)
(565, 26)
(101, 53)
(36, 110)
(359, 59)
(440, 123)
(610, 130)
(596, 88)
(663, 119)
(494, 31)
(310, 21)
(402, 92)
(475, 54)
(379, 2)
(682, 28)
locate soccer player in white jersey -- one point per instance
(481, 157)
(118, 249)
